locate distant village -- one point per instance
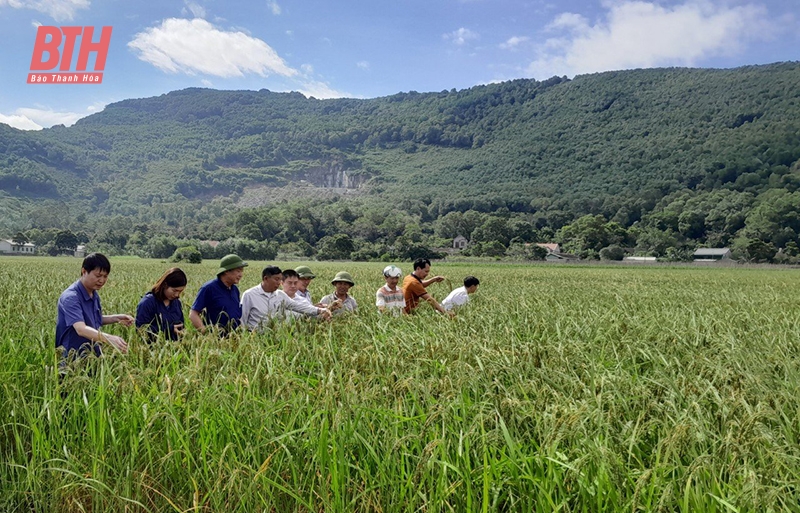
(554, 253)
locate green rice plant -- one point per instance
(556, 388)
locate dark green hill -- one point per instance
(613, 143)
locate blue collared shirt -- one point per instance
(158, 317)
(221, 304)
(76, 305)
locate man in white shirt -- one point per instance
(290, 285)
(265, 302)
(460, 296)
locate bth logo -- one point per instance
(48, 42)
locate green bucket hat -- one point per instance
(229, 263)
(304, 271)
(343, 276)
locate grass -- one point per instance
(557, 389)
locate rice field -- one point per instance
(556, 389)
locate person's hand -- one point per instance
(325, 314)
(178, 329)
(335, 305)
(451, 313)
(125, 319)
(437, 279)
(116, 342)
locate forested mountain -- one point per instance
(670, 158)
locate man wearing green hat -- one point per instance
(305, 275)
(217, 302)
(340, 301)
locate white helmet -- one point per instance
(392, 271)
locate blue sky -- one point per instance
(366, 49)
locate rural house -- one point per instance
(460, 242)
(550, 247)
(711, 254)
(8, 247)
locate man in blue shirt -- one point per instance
(217, 302)
(80, 315)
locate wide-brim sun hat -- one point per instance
(343, 276)
(229, 263)
(304, 271)
(392, 271)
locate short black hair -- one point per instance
(96, 261)
(290, 273)
(469, 281)
(270, 270)
(420, 263)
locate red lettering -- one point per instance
(42, 45)
(101, 47)
(71, 34)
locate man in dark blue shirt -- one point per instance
(80, 315)
(217, 302)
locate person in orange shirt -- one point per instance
(414, 286)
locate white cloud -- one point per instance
(20, 122)
(207, 83)
(197, 10)
(59, 10)
(513, 42)
(49, 117)
(320, 90)
(197, 46)
(638, 34)
(363, 64)
(307, 69)
(26, 118)
(96, 107)
(460, 36)
(274, 7)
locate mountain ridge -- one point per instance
(614, 144)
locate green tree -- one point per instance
(20, 238)
(492, 229)
(655, 242)
(754, 250)
(522, 230)
(692, 224)
(161, 246)
(250, 231)
(494, 248)
(66, 241)
(590, 234)
(612, 252)
(523, 251)
(336, 247)
(775, 219)
(188, 254)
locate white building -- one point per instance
(712, 254)
(8, 247)
(640, 259)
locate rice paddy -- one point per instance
(556, 389)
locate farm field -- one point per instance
(556, 389)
